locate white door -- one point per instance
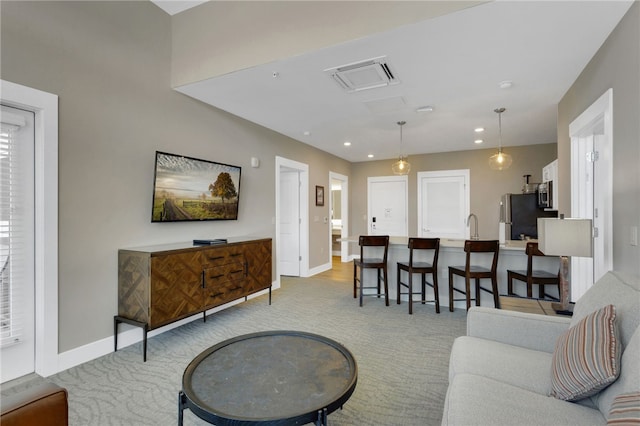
(290, 223)
(17, 239)
(443, 204)
(388, 205)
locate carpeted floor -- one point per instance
(402, 359)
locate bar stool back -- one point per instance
(470, 271)
(422, 268)
(367, 244)
(533, 276)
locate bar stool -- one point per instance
(369, 242)
(422, 268)
(533, 276)
(469, 271)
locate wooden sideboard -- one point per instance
(158, 285)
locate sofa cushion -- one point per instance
(625, 410)
(521, 367)
(620, 290)
(476, 400)
(587, 356)
(629, 379)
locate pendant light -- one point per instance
(500, 160)
(402, 166)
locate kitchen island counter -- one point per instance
(511, 256)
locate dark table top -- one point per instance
(274, 377)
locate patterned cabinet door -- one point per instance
(258, 257)
(176, 287)
(133, 285)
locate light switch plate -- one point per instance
(634, 236)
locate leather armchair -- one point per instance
(42, 405)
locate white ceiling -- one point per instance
(453, 63)
(176, 6)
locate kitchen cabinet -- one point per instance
(550, 174)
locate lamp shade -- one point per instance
(565, 237)
(500, 161)
(401, 167)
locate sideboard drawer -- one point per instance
(219, 275)
(222, 256)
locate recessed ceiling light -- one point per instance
(347, 143)
(370, 155)
(426, 108)
(478, 141)
(306, 133)
(479, 129)
(506, 84)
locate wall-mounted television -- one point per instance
(190, 189)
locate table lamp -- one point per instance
(564, 238)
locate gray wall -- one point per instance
(110, 64)
(617, 66)
(486, 185)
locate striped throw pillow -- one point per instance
(586, 358)
(625, 410)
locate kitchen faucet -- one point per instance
(475, 219)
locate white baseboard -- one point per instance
(133, 335)
(319, 269)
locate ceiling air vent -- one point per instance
(363, 75)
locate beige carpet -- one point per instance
(402, 359)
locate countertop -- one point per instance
(517, 245)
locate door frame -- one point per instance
(45, 107)
(283, 164)
(595, 121)
(344, 214)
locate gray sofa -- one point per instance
(500, 372)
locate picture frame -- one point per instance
(319, 195)
(192, 189)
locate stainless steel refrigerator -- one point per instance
(520, 213)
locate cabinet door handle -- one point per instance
(246, 268)
(213, 277)
(202, 279)
(236, 254)
(216, 258)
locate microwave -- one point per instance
(545, 195)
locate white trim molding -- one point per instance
(45, 107)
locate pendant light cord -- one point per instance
(499, 111)
(401, 123)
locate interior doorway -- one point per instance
(592, 189)
(339, 209)
(292, 213)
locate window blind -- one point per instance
(12, 227)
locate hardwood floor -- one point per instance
(339, 271)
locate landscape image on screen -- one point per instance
(189, 189)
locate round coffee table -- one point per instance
(269, 378)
